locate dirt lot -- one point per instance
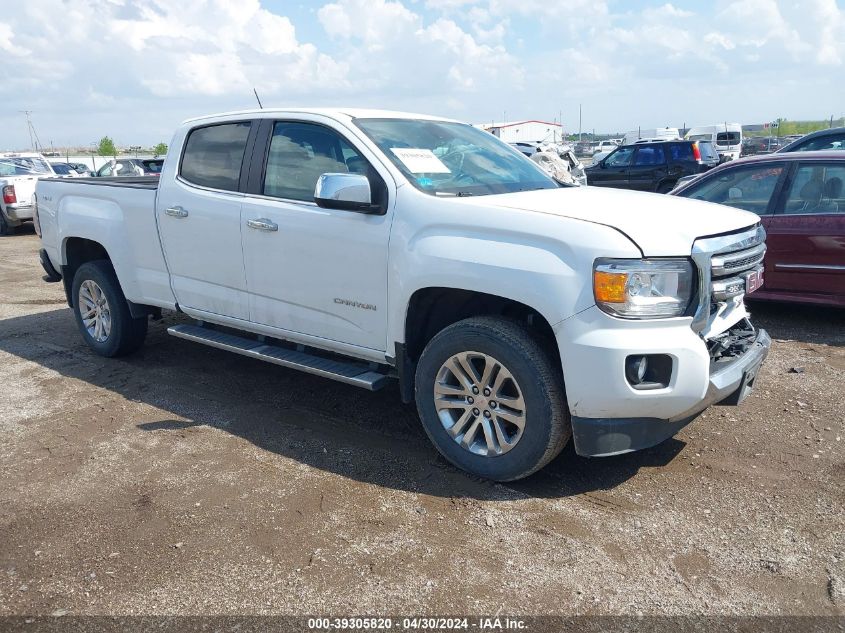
(186, 480)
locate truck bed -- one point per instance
(117, 213)
(132, 182)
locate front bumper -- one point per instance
(729, 384)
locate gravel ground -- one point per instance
(184, 480)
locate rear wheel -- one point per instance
(102, 313)
(491, 400)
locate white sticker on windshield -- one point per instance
(420, 161)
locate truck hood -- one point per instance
(661, 225)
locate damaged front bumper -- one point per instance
(732, 377)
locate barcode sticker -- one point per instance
(420, 161)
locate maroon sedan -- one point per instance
(800, 200)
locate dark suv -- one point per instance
(833, 138)
(652, 165)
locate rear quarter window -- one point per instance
(214, 154)
(708, 152)
(681, 151)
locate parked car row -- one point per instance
(20, 170)
(830, 139)
(797, 192)
(762, 145)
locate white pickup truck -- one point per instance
(367, 245)
(18, 173)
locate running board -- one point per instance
(352, 373)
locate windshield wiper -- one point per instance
(454, 194)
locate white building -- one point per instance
(525, 131)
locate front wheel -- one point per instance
(102, 313)
(491, 400)
(5, 227)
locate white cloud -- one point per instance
(391, 48)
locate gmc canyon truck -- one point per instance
(366, 245)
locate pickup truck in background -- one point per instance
(365, 246)
(18, 174)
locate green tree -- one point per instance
(160, 149)
(106, 147)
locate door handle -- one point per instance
(176, 212)
(262, 224)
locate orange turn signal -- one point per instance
(609, 287)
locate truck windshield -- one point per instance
(454, 159)
(23, 166)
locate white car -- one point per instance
(18, 175)
(604, 146)
(366, 246)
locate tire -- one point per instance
(120, 334)
(665, 187)
(5, 228)
(545, 419)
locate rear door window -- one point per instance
(681, 151)
(816, 189)
(748, 188)
(650, 156)
(213, 155)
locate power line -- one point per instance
(34, 142)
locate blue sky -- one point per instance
(134, 70)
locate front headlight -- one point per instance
(643, 288)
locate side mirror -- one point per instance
(350, 192)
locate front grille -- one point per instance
(737, 262)
(724, 264)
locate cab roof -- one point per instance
(333, 113)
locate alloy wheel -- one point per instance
(479, 403)
(95, 312)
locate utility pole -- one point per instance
(33, 135)
(579, 122)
